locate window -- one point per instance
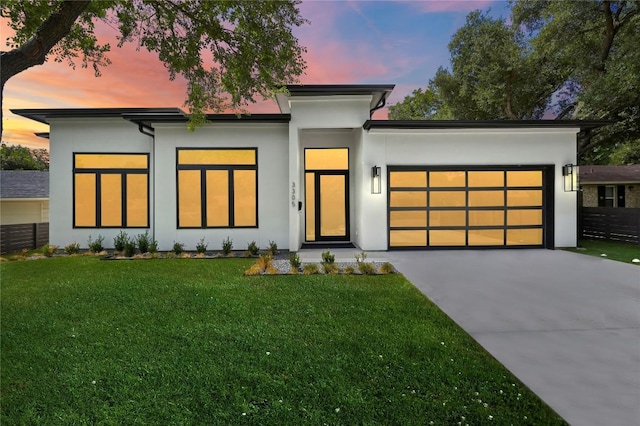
(110, 190)
(611, 196)
(217, 188)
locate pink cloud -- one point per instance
(441, 6)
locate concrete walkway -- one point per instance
(567, 325)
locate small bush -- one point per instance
(253, 270)
(178, 248)
(294, 261)
(366, 268)
(361, 257)
(72, 248)
(273, 248)
(253, 248)
(265, 261)
(120, 240)
(293, 271)
(49, 250)
(349, 270)
(201, 247)
(96, 245)
(330, 268)
(144, 241)
(311, 269)
(227, 245)
(386, 268)
(327, 257)
(130, 248)
(153, 246)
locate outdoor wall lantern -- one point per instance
(570, 173)
(376, 185)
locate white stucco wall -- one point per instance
(271, 142)
(85, 135)
(464, 147)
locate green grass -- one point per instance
(86, 341)
(616, 251)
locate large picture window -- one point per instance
(217, 188)
(110, 190)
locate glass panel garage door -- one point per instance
(466, 207)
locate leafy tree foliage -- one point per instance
(228, 51)
(18, 157)
(427, 105)
(571, 59)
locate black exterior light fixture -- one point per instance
(570, 173)
(376, 185)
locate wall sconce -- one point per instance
(376, 185)
(570, 173)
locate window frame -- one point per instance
(122, 172)
(203, 168)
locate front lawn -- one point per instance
(178, 341)
(616, 251)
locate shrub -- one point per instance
(253, 270)
(144, 241)
(178, 248)
(293, 271)
(311, 269)
(227, 245)
(294, 261)
(153, 246)
(366, 268)
(265, 261)
(201, 247)
(327, 257)
(253, 248)
(120, 240)
(130, 248)
(72, 248)
(49, 250)
(349, 270)
(330, 268)
(386, 268)
(273, 248)
(361, 257)
(96, 245)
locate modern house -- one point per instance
(610, 186)
(24, 196)
(319, 172)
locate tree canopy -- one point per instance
(18, 157)
(578, 60)
(228, 51)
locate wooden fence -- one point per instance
(610, 223)
(14, 238)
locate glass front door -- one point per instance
(327, 194)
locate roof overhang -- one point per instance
(484, 124)
(378, 92)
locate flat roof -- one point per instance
(482, 124)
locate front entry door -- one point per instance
(327, 194)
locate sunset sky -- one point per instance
(348, 42)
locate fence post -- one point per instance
(36, 232)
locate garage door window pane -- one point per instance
(524, 178)
(479, 179)
(408, 238)
(447, 199)
(486, 218)
(408, 199)
(524, 237)
(446, 179)
(486, 237)
(524, 217)
(486, 198)
(524, 197)
(399, 219)
(447, 237)
(447, 218)
(408, 179)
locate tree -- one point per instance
(17, 157)
(578, 59)
(251, 43)
(427, 105)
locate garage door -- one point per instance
(466, 207)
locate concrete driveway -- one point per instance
(566, 324)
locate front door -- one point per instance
(327, 194)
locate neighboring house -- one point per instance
(610, 186)
(319, 172)
(24, 196)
